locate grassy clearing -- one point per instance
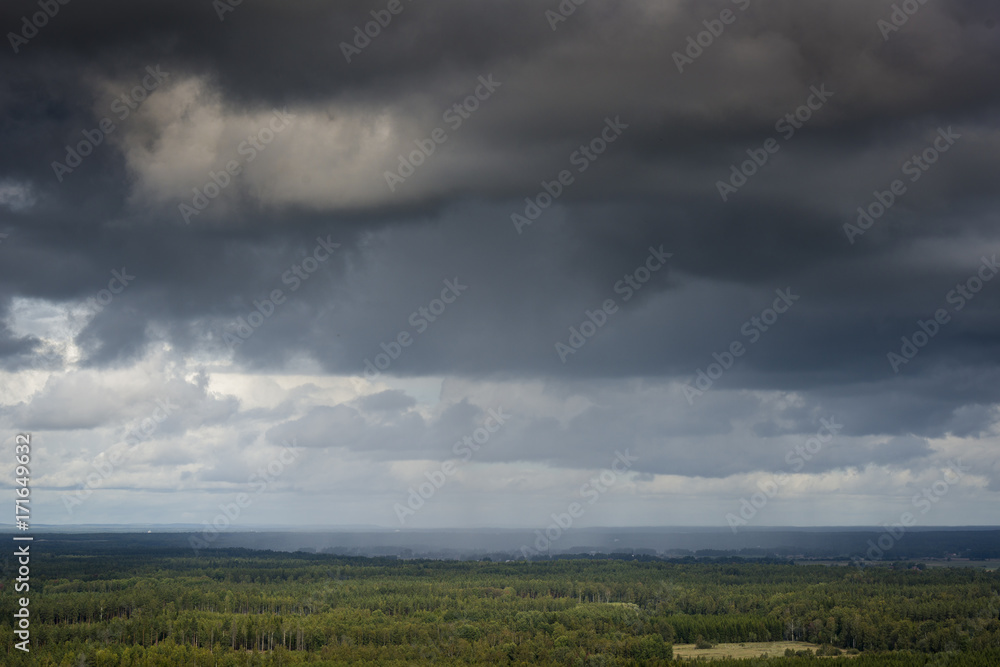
(744, 650)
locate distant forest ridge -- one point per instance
(872, 545)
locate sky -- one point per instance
(479, 264)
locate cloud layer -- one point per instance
(369, 252)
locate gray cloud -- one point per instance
(323, 177)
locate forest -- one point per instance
(112, 606)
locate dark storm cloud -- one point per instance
(656, 185)
(17, 352)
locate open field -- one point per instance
(741, 651)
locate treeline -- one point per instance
(264, 608)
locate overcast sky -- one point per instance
(550, 226)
